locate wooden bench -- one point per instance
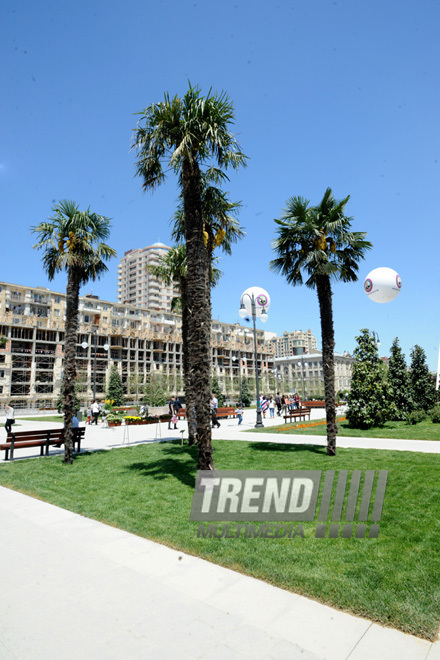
(298, 412)
(42, 438)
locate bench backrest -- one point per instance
(42, 434)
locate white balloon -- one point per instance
(382, 285)
(262, 300)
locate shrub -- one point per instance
(435, 414)
(415, 417)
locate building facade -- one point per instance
(304, 373)
(139, 341)
(137, 286)
(294, 343)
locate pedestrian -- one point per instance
(297, 401)
(10, 417)
(172, 412)
(213, 405)
(95, 412)
(75, 421)
(278, 403)
(271, 407)
(285, 400)
(264, 405)
(89, 415)
(239, 411)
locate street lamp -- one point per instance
(255, 302)
(105, 347)
(238, 358)
(376, 338)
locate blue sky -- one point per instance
(327, 93)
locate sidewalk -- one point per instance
(76, 588)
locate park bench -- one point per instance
(224, 413)
(42, 438)
(297, 413)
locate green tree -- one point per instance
(115, 391)
(246, 396)
(156, 390)
(72, 241)
(315, 243)
(423, 391)
(370, 400)
(398, 377)
(217, 390)
(187, 134)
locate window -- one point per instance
(2, 373)
(56, 312)
(57, 299)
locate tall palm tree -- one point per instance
(72, 241)
(187, 134)
(172, 268)
(315, 243)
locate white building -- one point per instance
(294, 343)
(304, 373)
(137, 286)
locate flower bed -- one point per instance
(307, 425)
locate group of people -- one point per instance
(282, 402)
(93, 413)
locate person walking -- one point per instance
(172, 412)
(278, 403)
(213, 405)
(271, 408)
(10, 417)
(95, 412)
(239, 411)
(89, 415)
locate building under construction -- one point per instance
(138, 341)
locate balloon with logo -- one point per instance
(382, 285)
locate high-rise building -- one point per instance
(137, 286)
(296, 342)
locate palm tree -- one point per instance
(315, 242)
(187, 134)
(72, 241)
(172, 268)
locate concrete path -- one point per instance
(73, 588)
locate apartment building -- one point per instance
(294, 343)
(136, 339)
(304, 373)
(137, 286)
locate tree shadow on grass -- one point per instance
(287, 448)
(181, 464)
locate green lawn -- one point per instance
(399, 430)
(148, 489)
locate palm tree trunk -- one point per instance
(328, 358)
(189, 395)
(70, 339)
(199, 309)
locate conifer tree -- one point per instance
(370, 402)
(246, 396)
(115, 389)
(216, 389)
(398, 377)
(422, 384)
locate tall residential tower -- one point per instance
(138, 287)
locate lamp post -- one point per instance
(105, 347)
(255, 302)
(376, 338)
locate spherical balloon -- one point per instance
(261, 297)
(382, 285)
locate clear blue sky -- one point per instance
(340, 93)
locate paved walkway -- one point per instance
(74, 588)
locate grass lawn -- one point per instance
(148, 490)
(426, 430)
